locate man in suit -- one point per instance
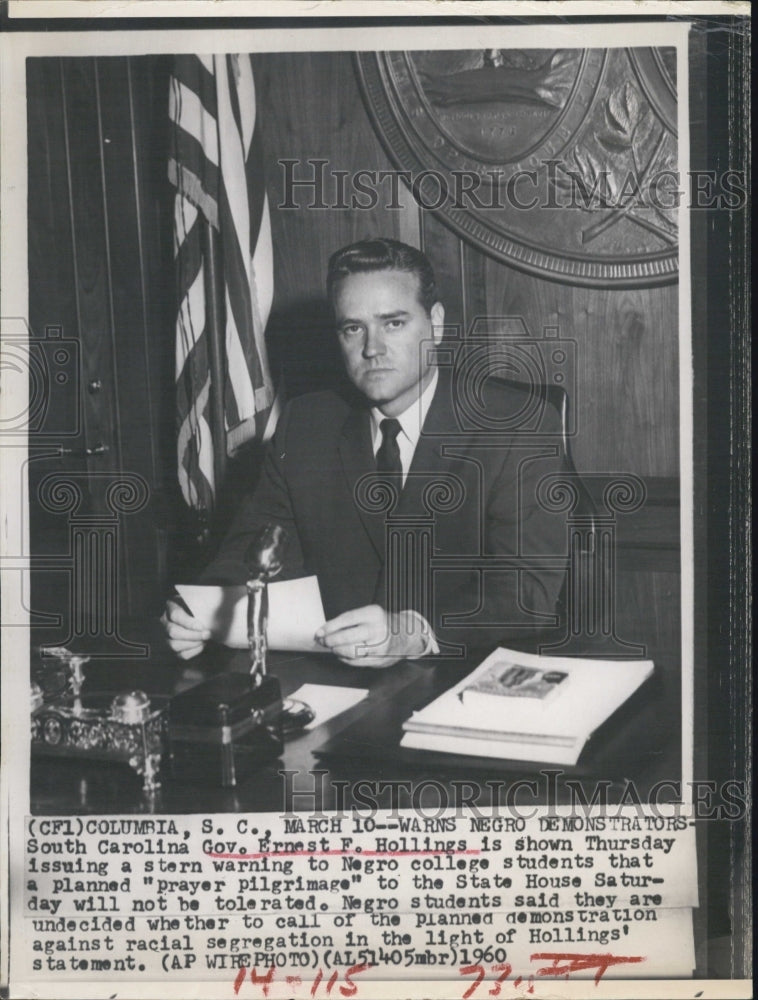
(418, 522)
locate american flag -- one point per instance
(216, 165)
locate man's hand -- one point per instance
(186, 636)
(372, 637)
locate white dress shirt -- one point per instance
(411, 422)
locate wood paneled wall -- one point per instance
(97, 272)
(314, 112)
(100, 267)
(625, 383)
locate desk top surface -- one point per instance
(641, 744)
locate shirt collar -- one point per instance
(411, 420)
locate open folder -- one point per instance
(295, 612)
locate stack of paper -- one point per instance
(520, 706)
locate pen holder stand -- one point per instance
(125, 728)
(222, 730)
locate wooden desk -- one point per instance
(641, 744)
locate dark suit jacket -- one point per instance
(470, 498)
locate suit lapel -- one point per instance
(428, 460)
(357, 459)
(427, 466)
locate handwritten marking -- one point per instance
(322, 854)
(580, 963)
(562, 964)
(265, 981)
(472, 970)
(316, 983)
(504, 968)
(349, 989)
(572, 962)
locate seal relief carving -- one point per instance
(560, 162)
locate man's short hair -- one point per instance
(382, 254)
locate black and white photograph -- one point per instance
(364, 433)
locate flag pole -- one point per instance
(215, 326)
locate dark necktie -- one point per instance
(388, 457)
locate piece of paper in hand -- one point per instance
(295, 612)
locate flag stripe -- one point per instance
(190, 71)
(241, 316)
(216, 164)
(248, 381)
(188, 260)
(232, 83)
(188, 157)
(254, 169)
(185, 217)
(186, 110)
(248, 106)
(190, 321)
(195, 449)
(263, 269)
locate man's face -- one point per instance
(381, 325)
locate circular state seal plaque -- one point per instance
(560, 162)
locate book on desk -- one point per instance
(520, 706)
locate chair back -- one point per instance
(556, 397)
